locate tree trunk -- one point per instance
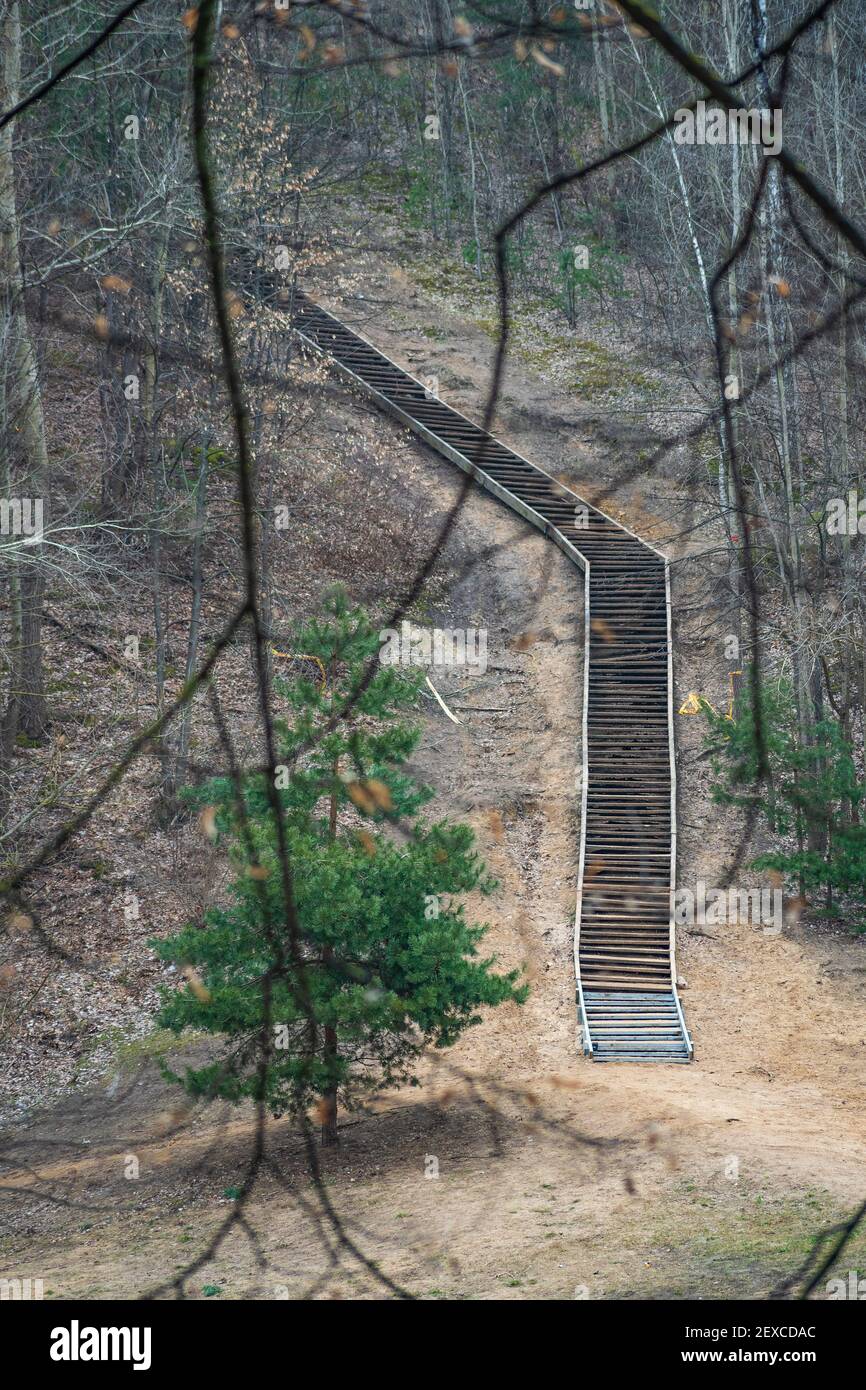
(779, 341)
(180, 771)
(329, 1097)
(22, 409)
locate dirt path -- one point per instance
(557, 1177)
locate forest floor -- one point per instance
(557, 1177)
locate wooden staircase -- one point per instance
(624, 936)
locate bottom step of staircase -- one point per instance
(633, 1026)
(640, 1057)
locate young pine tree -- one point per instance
(383, 962)
(812, 796)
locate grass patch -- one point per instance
(738, 1244)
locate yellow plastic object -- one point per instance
(694, 703)
(304, 656)
(732, 696)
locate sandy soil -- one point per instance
(557, 1177)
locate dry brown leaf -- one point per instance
(196, 984)
(19, 922)
(602, 629)
(545, 62)
(380, 793)
(234, 305)
(367, 842)
(359, 795)
(116, 283)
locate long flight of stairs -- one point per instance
(624, 944)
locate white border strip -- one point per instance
(673, 763)
(584, 788)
